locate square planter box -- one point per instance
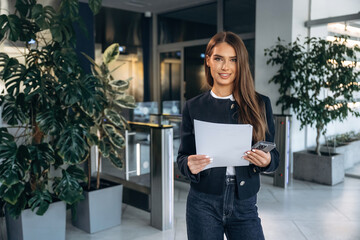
(322, 169)
(101, 209)
(351, 152)
(29, 226)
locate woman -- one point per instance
(223, 200)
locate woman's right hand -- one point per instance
(196, 163)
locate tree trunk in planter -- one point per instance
(29, 226)
(101, 209)
(322, 169)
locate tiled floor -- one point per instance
(302, 211)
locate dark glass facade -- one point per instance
(239, 16)
(188, 24)
(195, 82)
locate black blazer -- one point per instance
(207, 108)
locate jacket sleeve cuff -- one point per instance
(271, 167)
(186, 171)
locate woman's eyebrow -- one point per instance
(217, 55)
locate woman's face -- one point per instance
(222, 65)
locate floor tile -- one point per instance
(330, 230)
(281, 230)
(303, 211)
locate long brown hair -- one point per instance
(251, 107)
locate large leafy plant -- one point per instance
(49, 104)
(110, 124)
(317, 80)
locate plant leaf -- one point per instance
(5, 136)
(115, 137)
(92, 98)
(68, 189)
(115, 118)
(12, 110)
(12, 193)
(40, 200)
(51, 120)
(15, 163)
(111, 53)
(13, 73)
(24, 6)
(77, 173)
(125, 101)
(42, 157)
(105, 147)
(43, 15)
(12, 24)
(116, 161)
(120, 85)
(95, 6)
(16, 209)
(72, 145)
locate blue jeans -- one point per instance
(210, 216)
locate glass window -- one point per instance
(125, 28)
(239, 16)
(195, 81)
(188, 24)
(170, 77)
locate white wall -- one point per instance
(273, 20)
(286, 19)
(278, 18)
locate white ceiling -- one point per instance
(153, 6)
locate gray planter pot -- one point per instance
(327, 170)
(3, 235)
(30, 226)
(100, 210)
(353, 154)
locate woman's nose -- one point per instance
(225, 65)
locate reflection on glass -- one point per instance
(143, 110)
(195, 82)
(126, 28)
(187, 24)
(171, 107)
(170, 76)
(138, 154)
(239, 16)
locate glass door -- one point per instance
(170, 80)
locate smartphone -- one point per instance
(264, 146)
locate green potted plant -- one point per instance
(102, 207)
(317, 81)
(48, 106)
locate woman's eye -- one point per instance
(234, 60)
(217, 59)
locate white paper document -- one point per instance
(225, 143)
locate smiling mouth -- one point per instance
(224, 75)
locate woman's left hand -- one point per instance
(258, 157)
